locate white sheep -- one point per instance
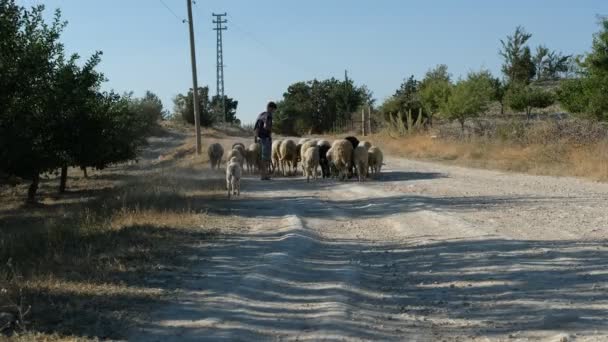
(275, 155)
(238, 144)
(310, 162)
(253, 156)
(241, 148)
(361, 160)
(340, 156)
(215, 153)
(322, 143)
(306, 145)
(367, 144)
(235, 153)
(288, 154)
(303, 140)
(233, 177)
(375, 159)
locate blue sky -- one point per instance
(271, 44)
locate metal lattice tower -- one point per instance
(219, 22)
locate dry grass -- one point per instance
(91, 262)
(555, 158)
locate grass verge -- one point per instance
(89, 264)
(557, 158)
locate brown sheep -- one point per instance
(215, 153)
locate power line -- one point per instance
(173, 12)
(263, 45)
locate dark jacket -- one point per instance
(263, 125)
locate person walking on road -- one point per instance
(263, 135)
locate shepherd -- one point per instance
(263, 135)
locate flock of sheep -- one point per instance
(341, 159)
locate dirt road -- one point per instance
(424, 253)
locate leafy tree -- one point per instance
(470, 97)
(557, 65)
(588, 94)
(52, 114)
(315, 106)
(550, 65)
(29, 54)
(540, 60)
(435, 90)
(183, 107)
(574, 94)
(150, 106)
(407, 99)
(368, 96)
(526, 98)
(293, 115)
(518, 65)
(498, 94)
(71, 101)
(230, 107)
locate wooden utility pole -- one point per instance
(369, 119)
(197, 118)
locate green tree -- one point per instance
(52, 114)
(498, 94)
(293, 115)
(469, 98)
(406, 100)
(588, 93)
(231, 106)
(183, 107)
(518, 66)
(527, 98)
(540, 60)
(315, 106)
(150, 106)
(72, 100)
(435, 89)
(30, 52)
(550, 65)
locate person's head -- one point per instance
(271, 107)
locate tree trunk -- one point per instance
(528, 113)
(31, 192)
(502, 109)
(462, 127)
(84, 172)
(64, 178)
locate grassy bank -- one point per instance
(577, 149)
(88, 264)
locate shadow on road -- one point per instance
(495, 286)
